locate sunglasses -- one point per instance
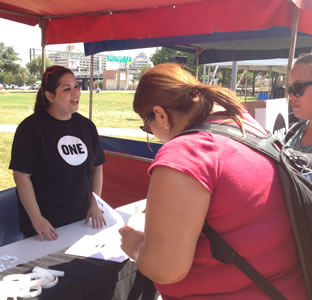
(146, 127)
(298, 88)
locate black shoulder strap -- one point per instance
(223, 252)
(293, 129)
(220, 249)
(269, 145)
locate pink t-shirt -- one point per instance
(247, 208)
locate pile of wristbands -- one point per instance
(30, 284)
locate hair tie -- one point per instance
(195, 91)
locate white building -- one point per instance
(141, 60)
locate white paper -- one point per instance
(110, 215)
(106, 243)
(137, 221)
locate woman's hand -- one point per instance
(28, 198)
(131, 240)
(43, 226)
(96, 215)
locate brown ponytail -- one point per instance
(175, 89)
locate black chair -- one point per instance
(9, 224)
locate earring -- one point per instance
(167, 127)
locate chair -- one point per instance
(9, 224)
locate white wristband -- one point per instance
(38, 279)
(50, 271)
(36, 291)
(51, 283)
(17, 277)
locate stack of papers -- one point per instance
(106, 243)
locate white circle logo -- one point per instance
(72, 149)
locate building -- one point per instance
(141, 60)
(73, 59)
(125, 69)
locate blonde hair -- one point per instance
(175, 89)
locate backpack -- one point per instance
(293, 129)
(298, 196)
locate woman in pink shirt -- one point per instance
(205, 176)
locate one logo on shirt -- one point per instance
(73, 150)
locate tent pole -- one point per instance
(197, 63)
(234, 76)
(292, 46)
(271, 82)
(91, 87)
(43, 26)
(208, 76)
(246, 84)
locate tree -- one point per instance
(143, 69)
(35, 66)
(163, 55)
(8, 78)
(8, 59)
(21, 77)
(31, 80)
(8, 65)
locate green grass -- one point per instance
(15, 107)
(6, 181)
(248, 98)
(113, 110)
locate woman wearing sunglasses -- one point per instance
(56, 160)
(299, 136)
(205, 176)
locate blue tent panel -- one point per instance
(218, 46)
(131, 147)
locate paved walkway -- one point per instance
(101, 131)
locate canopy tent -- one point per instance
(271, 65)
(108, 20)
(214, 47)
(74, 21)
(274, 65)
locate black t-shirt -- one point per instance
(60, 156)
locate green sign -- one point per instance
(120, 59)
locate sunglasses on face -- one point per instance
(146, 127)
(298, 88)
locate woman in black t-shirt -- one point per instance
(57, 160)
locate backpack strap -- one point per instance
(269, 145)
(293, 129)
(220, 249)
(223, 252)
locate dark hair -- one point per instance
(175, 89)
(50, 81)
(304, 59)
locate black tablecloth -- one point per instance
(90, 279)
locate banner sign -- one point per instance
(120, 59)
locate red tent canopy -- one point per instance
(73, 21)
